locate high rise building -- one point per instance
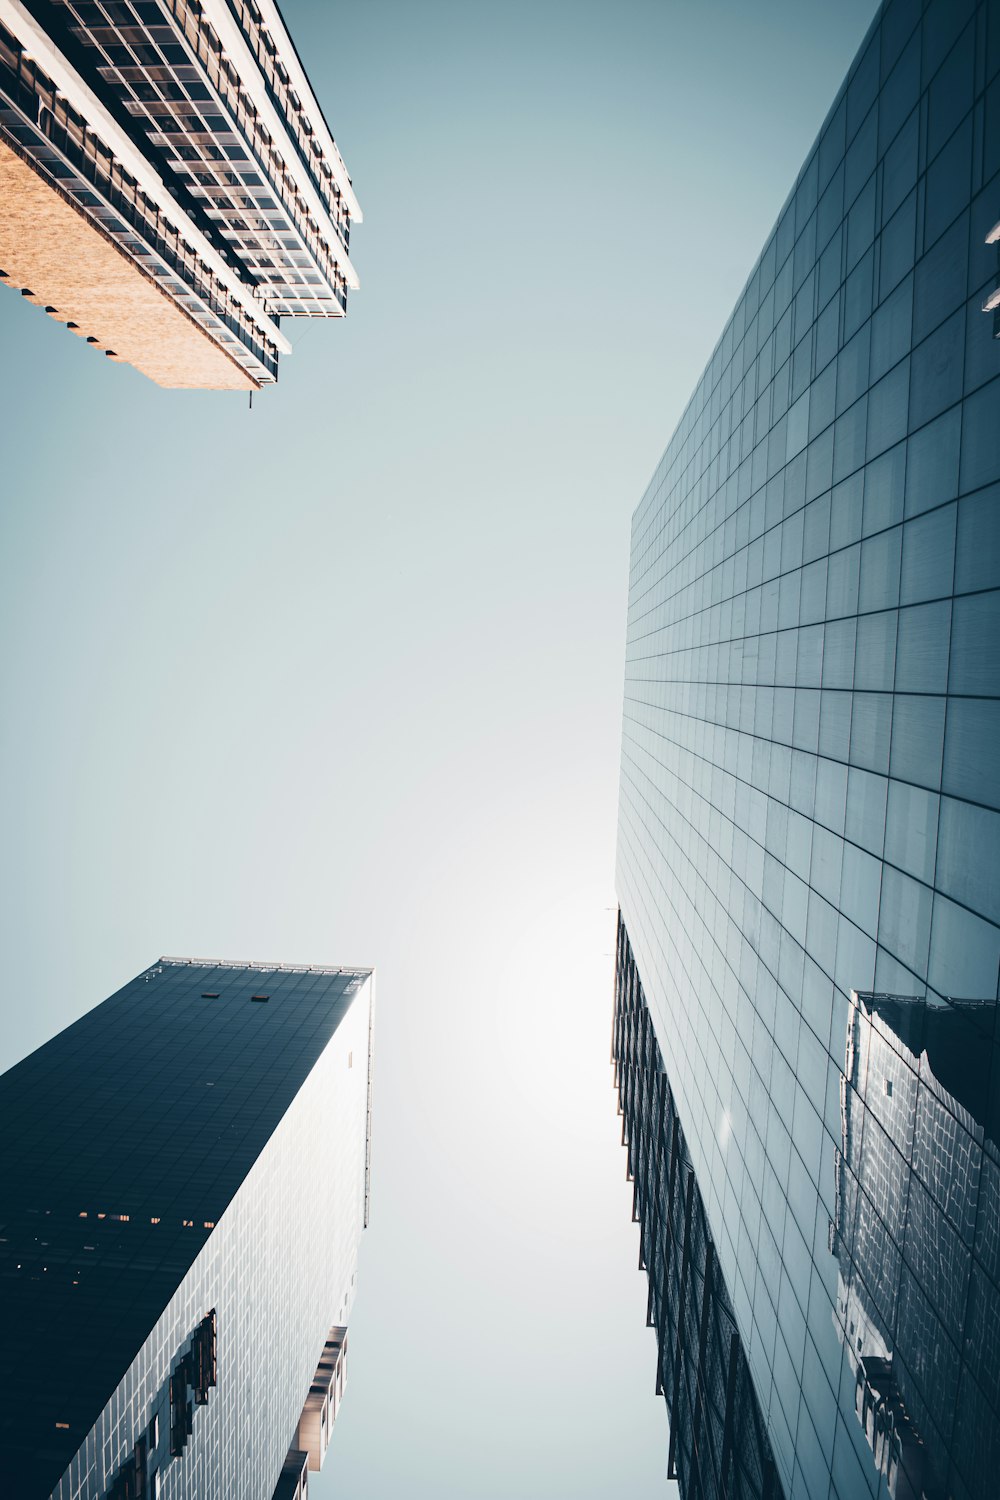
(184, 1186)
(805, 1041)
(915, 1233)
(169, 187)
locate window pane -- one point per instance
(928, 556)
(922, 648)
(981, 437)
(937, 371)
(932, 463)
(975, 659)
(911, 829)
(972, 742)
(917, 739)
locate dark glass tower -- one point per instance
(184, 1187)
(809, 828)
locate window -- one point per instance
(203, 1351)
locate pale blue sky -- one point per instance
(339, 679)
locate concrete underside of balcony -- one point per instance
(63, 262)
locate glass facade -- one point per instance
(809, 826)
(184, 1189)
(718, 1442)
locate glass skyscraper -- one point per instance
(808, 871)
(184, 1187)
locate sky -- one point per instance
(338, 679)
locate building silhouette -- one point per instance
(809, 818)
(169, 187)
(184, 1188)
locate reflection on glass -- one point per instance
(916, 1235)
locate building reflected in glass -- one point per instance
(915, 1237)
(808, 862)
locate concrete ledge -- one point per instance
(63, 263)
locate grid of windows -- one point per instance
(718, 1446)
(170, 74)
(55, 138)
(178, 1151)
(322, 160)
(810, 803)
(241, 207)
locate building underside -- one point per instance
(169, 187)
(60, 261)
